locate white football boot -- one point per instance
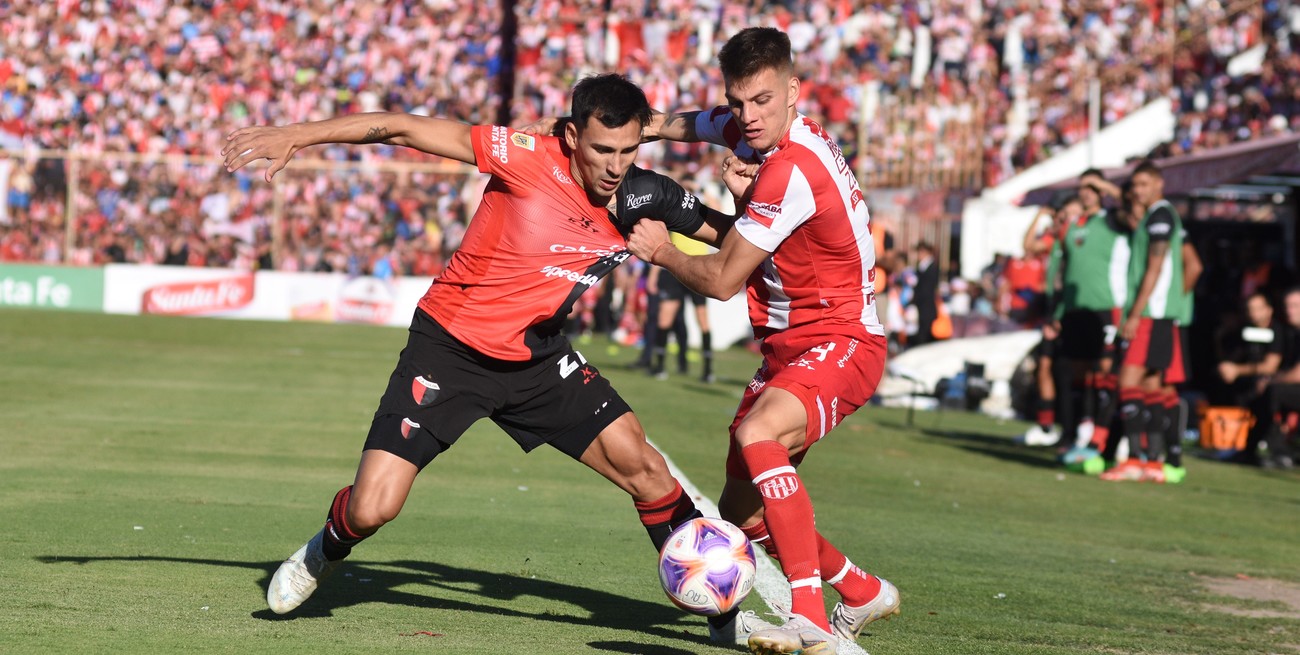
(848, 621)
(738, 630)
(298, 577)
(798, 636)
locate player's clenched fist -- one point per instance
(647, 237)
(275, 144)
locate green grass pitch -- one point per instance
(154, 471)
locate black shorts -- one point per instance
(1088, 335)
(670, 288)
(441, 387)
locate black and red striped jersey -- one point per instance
(536, 243)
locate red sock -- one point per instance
(757, 533)
(788, 512)
(662, 515)
(855, 586)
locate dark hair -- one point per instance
(753, 50)
(1148, 167)
(925, 245)
(611, 99)
(1092, 171)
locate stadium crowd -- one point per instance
(153, 79)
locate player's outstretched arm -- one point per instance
(673, 127)
(719, 275)
(435, 136)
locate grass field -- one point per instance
(154, 471)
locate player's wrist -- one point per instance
(654, 253)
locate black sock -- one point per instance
(1174, 434)
(706, 350)
(338, 538)
(1157, 427)
(723, 618)
(1133, 419)
(659, 352)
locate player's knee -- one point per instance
(367, 518)
(647, 476)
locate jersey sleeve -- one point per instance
(647, 194)
(718, 127)
(1161, 225)
(505, 153)
(782, 201)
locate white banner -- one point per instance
(265, 295)
(328, 297)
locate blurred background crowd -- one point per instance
(112, 112)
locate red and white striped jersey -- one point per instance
(808, 211)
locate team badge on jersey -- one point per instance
(522, 140)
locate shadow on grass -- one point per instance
(358, 582)
(996, 447)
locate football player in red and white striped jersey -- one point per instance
(803, 251)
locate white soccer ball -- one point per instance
(707, 567)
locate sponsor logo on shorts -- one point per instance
(572, 276)
(853, 346)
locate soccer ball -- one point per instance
(707, 566)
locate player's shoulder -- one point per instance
(648, 185)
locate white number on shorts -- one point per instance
(1111, 332)
(567, 367)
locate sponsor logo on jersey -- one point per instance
(559, 175)
(764, 213)
(639, 201)
(522, 140)
(599, 252)
(1159, 228)
(572, 276)
(688, 200)
(187, 298)
(585, 223)
(500, 137)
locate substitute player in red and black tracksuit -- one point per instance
(487, 340)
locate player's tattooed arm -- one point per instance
(674, 127)
(377, 134)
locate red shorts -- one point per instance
(1177, 371)
(832, 375)
(1153, 347)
